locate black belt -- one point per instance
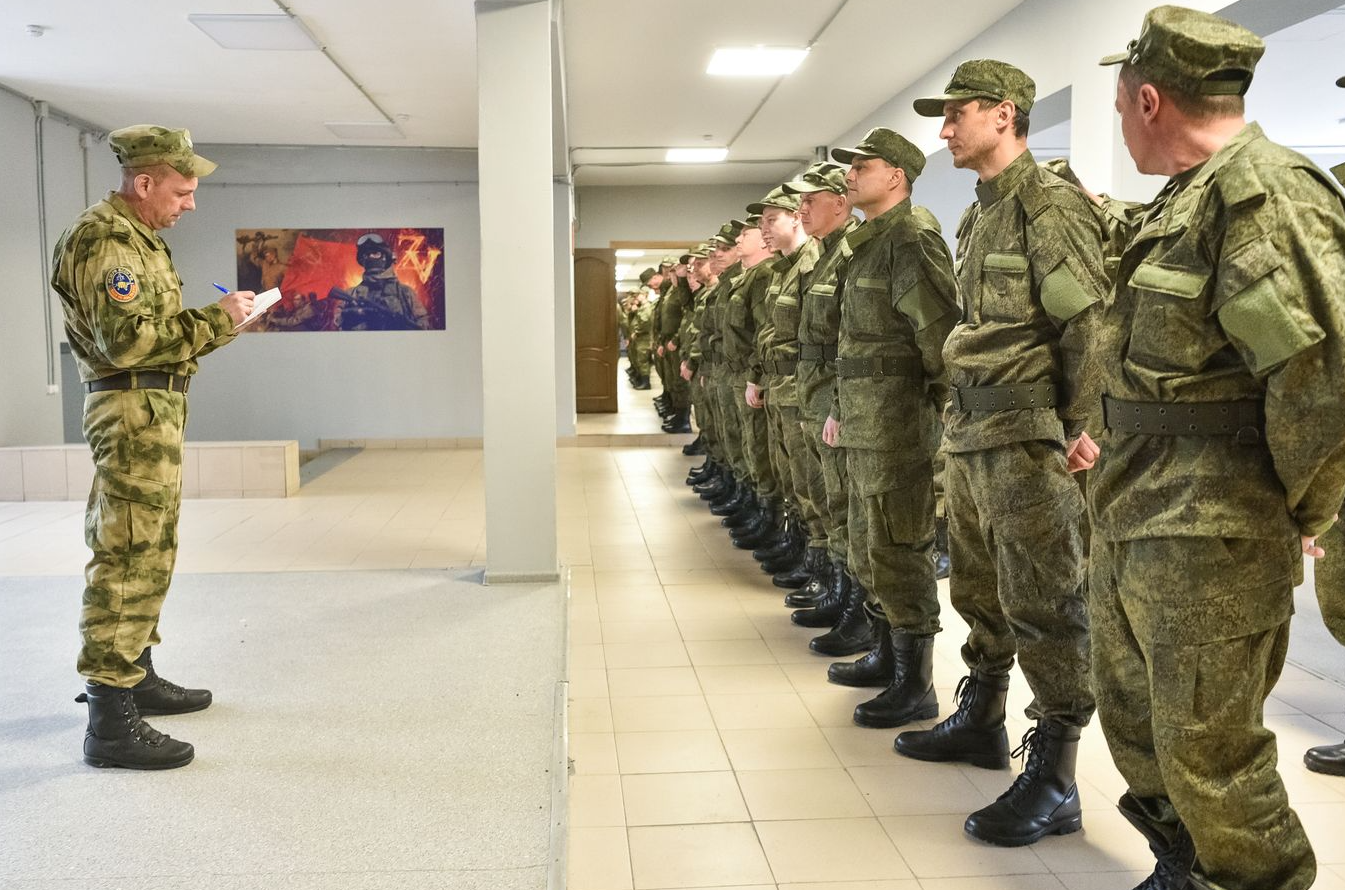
(809, 352)
(1242, 419)
(1013, 397)
(880, 366)
(784, 367)
(140, 380)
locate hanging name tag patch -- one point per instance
(121, 285)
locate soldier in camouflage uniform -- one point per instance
(735, 485)
(898, 304)
(674, 303)
(1224, 357)
(704, 361)
(137, 349)
(1031, 275)
(380, 302)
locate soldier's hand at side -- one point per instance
(1081, 453)
(831, 431)
(238, 304)
(1310, 547)
(686, 372)
(672, 347)
(660, 351)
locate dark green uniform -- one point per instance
(744, 313)
(671, 308)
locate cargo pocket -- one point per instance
(1167, 326)
(1005, 287)
(126, 514)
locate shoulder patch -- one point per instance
(121, 284)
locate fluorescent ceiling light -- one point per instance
(364, 130)
(755, 61)
(255, 31)
(628, 252)
(696, 155)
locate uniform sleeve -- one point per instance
(123, 303)
(760, 318)
(931, 306)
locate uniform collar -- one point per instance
(1202, 173)
(838, 233)
(1006, 181)
(125, 210)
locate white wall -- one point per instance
(659, 213)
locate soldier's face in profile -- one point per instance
(969, 132)
(165, 197)
(818, 209)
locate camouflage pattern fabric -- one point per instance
(744, 314)
(1329, 580)
(380, 302)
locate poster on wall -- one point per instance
(345, 279)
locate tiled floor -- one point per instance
(708, 748)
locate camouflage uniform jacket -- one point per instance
(820, 318)
(1338, 171)
(712, 318)
(744, 313)
(782, 343)
(898, 303)
(1232, 288)
(765, 331)
(689, 334)
(1030, 268)
(122, 298)
(672, 307)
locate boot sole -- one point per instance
(158, 712)
(837, 651)
(105, 763)
(1069, 826)
(927, 713)
(981, 760)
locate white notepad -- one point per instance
(263, 301)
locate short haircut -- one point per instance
(1196, 106)
(1021, 123)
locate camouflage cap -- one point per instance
(728, 233)
(753, 221)
(647, 274)
(982, 79)
(776, 197)
(1193, 51)
(145, 145)
(700, 251)
(667, 261)
(822, 177)
(891, 146)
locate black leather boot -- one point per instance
(155, 695)
(642, 383)
(940, 555)
(807, 596)
(781, 545)
(118, 736)
(1175, 854)
(876, 668)
(695, 446)
(1044, 799)
(787, 561)
(852, 632)
(1329, 759)
(678, 422)
(828, 610)
(714, 484)
(727, 506)
(910, 695)
(764, 527)
(973, 734)
(802, 573)
(703, 473)
(745, 515)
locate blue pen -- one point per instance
(219, 287)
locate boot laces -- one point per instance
(1028, 754)
(1173, 868)
(140, 730)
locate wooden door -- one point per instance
(596, 353)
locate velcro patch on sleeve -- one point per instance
(121, 284)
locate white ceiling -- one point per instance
(634, 74)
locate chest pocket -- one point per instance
(735, 314)
(165, 288)
(785, 317)
(1169, 323)
(1006, 287)
(868, 306)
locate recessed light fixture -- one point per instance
(267, 31)
(755, 61)
(629, 252)
(696, 155)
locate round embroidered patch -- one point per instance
(121, 285)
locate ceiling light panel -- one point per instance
(696, 155)
(755, 61)
(266, 32)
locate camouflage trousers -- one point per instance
(679, 391)
(730, 426)
(756, 442)
(638, 353)
(834, 505)
(703, 405)
(1329, 580)
(1189, 638)
(130, 525)
(891, 527)
(1017, 574)
(805, 472)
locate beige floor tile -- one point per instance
(794, 650)
(856, 746)
(937, 847)
(910, 787)
(1106, 844)
(655, 713)
(729, 652)
(636, 610)
(766, 710)
(814, 850)
(670, 752)
(775, 625)
(628, 682)
(595, 800)
(747, 679)
(697, 856)
(590, 714)
(647, 631)
(588, 683)
(593, 753)
(911, 884)
(585, 633)
(801, 794)
(717, 629)
(766, 749)
(1008, 882)
(682, 798)
(599, 859)
(588, 656)
(642, 655)
(836, 706)
(1322, 822)
(809, 676)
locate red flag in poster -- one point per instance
(315, 267)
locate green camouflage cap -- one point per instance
(889, 145)
(822, 177)
(982, 79)
(1194, 52)
(647, 274)
(667, 261)
(728, 233)
(776, 197)
(700, 251)
(752, 221)
(145, 145)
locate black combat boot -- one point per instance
(155, 695)
(853, 632)
(697, 475)
(746, 514)
(876, 668)
(910, 695)
(1175, 854)
(1043, 799)
(787, 561)
(807, 596)
(940, 556)
(780, 545)
(731, 489)
(764, 527)
(1329, 759)
(678, 422)
(727, 506)
(695, 446)
(828, 609)
(802, 573)
(716, 485)
(118, 736)
(642, 383)
(974, 733)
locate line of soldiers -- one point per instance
(848, 377)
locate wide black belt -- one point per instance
(1241, 419)
(879, 366)
(140, 380)
(1013, 397)
(810, 352)
(784, 367)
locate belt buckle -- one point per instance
(1248, 435)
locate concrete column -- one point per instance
(518, 311)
